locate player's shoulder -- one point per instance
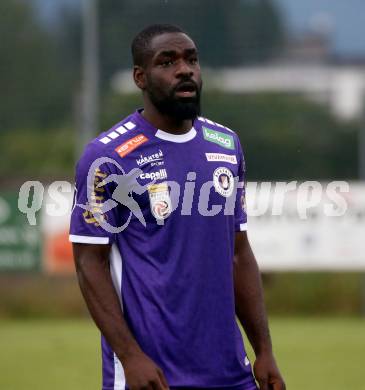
(106, 142)
(211, 129)
(212, 125)
(121, 131)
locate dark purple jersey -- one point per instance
(169, 205)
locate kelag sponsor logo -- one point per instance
(218, 138)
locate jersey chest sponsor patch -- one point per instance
(133, 143)
(154, 159)
(157, 175)
(160, 201)
(219, 138)
(232, 159)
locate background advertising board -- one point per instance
(57, 251)
(319, 229)
(291, 227)
(20, 243)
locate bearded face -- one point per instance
(181, 101)
(172, 78)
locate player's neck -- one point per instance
(164, 122)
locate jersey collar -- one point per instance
(178, 138)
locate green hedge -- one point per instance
(284, 138)
(287, 294)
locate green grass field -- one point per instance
(313, 353)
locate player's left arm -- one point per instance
(250, 310)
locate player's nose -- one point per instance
(184, 70)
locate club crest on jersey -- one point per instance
(223, 181)
(160, 201)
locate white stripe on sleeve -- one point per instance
(88, 239)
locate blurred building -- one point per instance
(305, 67)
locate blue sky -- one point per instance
(345, 18)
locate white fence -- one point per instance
(315, 230)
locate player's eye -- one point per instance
(167, 63)
(193, 61)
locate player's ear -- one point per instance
(139, 77)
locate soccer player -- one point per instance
(159, 237)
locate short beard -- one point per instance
(178, 108)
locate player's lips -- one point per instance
(186, 89)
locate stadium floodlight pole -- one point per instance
(361, 143)
(361, 159)
(90, 73)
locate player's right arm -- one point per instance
(92, 267)
(91, 247)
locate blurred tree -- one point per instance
(285, 137)
(227, 34)
(40, 63)
(34, 91)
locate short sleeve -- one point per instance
(91, 212)
(240, 207)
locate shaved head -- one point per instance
(141, 45)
